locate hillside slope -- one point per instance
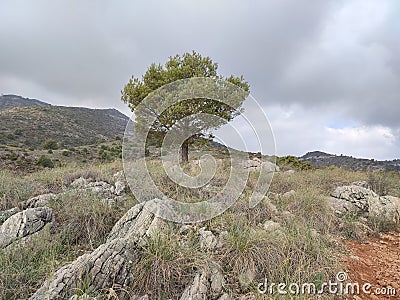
(32, 125)
(11, 101)
(322, 159)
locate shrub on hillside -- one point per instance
(45, 162)
(294, 163)
(50, 144)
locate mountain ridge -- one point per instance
(30, 122)
(323, 159)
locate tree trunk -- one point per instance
(185, 151)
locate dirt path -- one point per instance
(377, 261)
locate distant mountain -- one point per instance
(11, 101)
(322, 159)
(30, 122)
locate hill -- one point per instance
(322, 159)
(11, 101)
(29, 123)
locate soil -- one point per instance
(375, 261)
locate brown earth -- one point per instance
(375, 261)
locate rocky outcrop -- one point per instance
(208, 282)
(111, 264)
(23, 224)
(38, 201)
(5, 214)
(257, 164)
(357, 199)
(108, 192)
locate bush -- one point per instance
(50, 144)
(66, 153)
(45, 162)
(293, 162)
(50, 151)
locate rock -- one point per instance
(79, 183)
(38, 201)
(120, 186)
(256, 164)
(270, 166)
(198, 289)
(209, 281)
(271, 225)
(111, 263)
(394, 200)
(252, 163)
(363, 184)
(290, 171)
(5, 214)
(354, 194)
(383, 207)
(208, 241)
(363, 202)
(23, 224)
(217, 279)
(289, 194)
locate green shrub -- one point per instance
(45, 162)
(50, 151)
(50, 144)
(294, 163)
(66, 153)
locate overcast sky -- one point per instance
(327, 73)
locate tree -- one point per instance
(188, 65)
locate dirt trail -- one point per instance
(376, 261)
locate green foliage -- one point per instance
(294, 163)
(66, 153)
(50, 144)
(50, 151)
(188, 65)
(45, 162)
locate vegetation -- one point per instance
(69, 126)
(50, 145)
(184, 66)
(301, 250)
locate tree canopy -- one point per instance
(178, 67)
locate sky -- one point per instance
(326, 73)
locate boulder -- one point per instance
(209, 281)
(363, 202)
(23, 224)
(38, 201)
(111, 264)
(5, 214)
(208, 241)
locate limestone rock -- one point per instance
(38, 201)
(24, 223)
(271, 225)
(208, 241)
(119, 183)
(111, 263)
(5, 214)
(363, 184)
